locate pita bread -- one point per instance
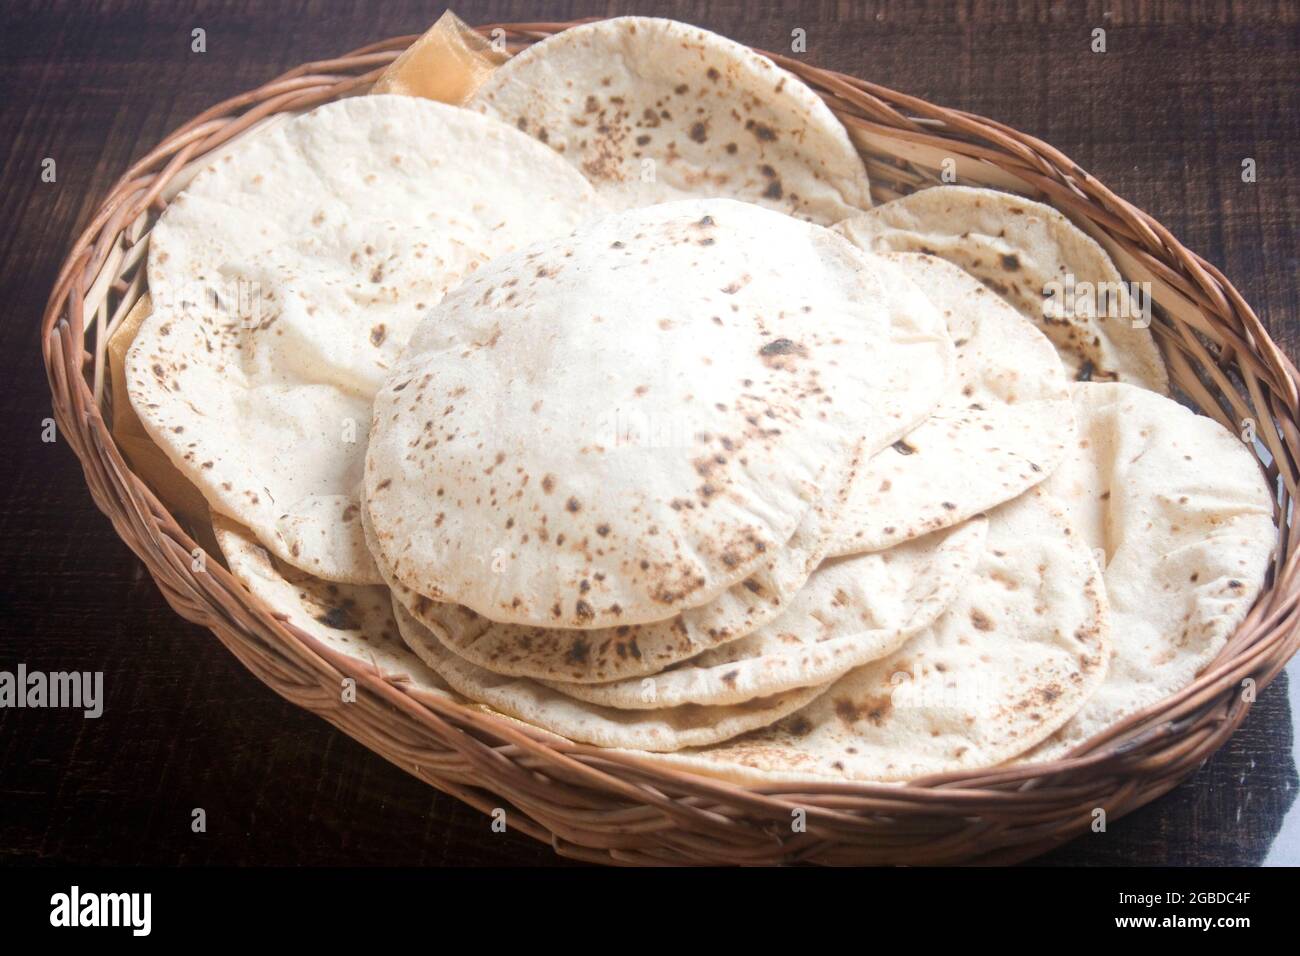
(1004, 425)
(354, 620)
(653, 110)
(1022, 250)
(651, 730)
(607, 429)
(285, 281)
(1182, 514)
(852, 611)
(1014, 657)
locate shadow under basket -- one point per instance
(606, 807)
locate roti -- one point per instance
(653, 110)
(853, 610)
(1180, 515)
(1034, 257)
(610, 653)
(1015, 656)
(538, 705)
(607, 429)
(285, 280)
(1002, 427)
(354, 620)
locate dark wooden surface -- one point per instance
(1184, 93)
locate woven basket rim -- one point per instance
(1224, 360)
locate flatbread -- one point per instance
(1183, 516)
(1013, 658)
(853, 610)
(146, 460)
(354, 620)
(1019, 249)
(285, 281)
(653, 110)
(608, 429)
(650, 730)
(628, 651)
(1004, 425)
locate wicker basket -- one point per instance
(599, 806)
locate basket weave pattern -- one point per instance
(606, 807)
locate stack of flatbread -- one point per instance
(608, 402)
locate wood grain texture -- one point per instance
(1183, 94)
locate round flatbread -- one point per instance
(286, 279)
(1003, 426)
(608, 429)
(631, 650)
(651, 730)
(1012, 659)
(1040, 262)
(653, 110)
(1181, 517)
(853, 610)
(354, 620)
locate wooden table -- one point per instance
(1184, 93)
